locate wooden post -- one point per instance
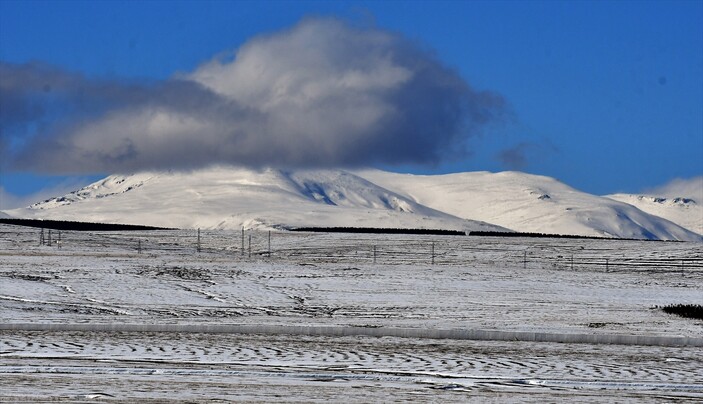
(374, 253)
(250, 246)
(524, 261)
(41, 237)
(433, 253)
(49, 242)
(269, 244)
(58, 243)
(198, 239)
(572, 262)
(242, 240)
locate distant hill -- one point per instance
(231, 198)
(686, 212)
(530, 204)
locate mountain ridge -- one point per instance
(231, 197)
(684, 211)
(234, 197)
(530, 203)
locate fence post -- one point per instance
(374, 253)
(41, 237)
(524, 261)
(58, 243)
(269, 244)
(250, 246)
(572, 262)
(198, 239)
(49, 238)
(433, 253)
(139, 246)
(242, 241)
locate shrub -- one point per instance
(685, 310)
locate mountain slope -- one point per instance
(685, 212)
(528, 203)
(229, 198)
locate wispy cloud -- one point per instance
(322, 93)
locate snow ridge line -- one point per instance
(345, 331)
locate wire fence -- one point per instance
(355, 249)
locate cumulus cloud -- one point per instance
(320, 94)
(691, 188)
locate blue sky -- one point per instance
(605, 96)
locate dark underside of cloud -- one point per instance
(321, 94)
(514, 158)
(521, 155)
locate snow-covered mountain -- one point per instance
(686, 212)
(529, 203)
(229, 198)
(226, 197)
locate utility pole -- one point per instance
(198, 239)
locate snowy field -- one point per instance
(368, 291)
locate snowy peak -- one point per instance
(112, 185)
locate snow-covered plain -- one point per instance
(231, 198)
(600, 287)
